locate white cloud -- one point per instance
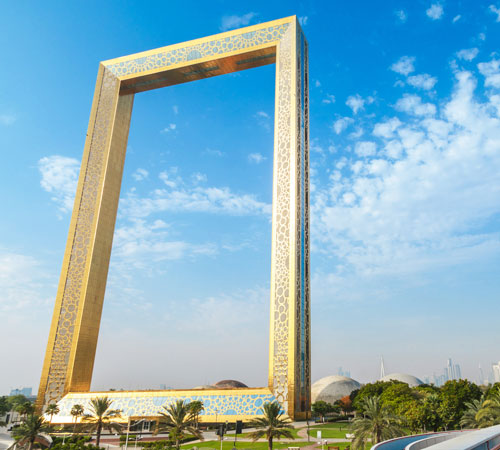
(175, 109)
(317, 83)
(341, 124)
(495, 10)
(263, 119)
(401, 15)
(213, 152)
(491, 71)
(404, 66)
(412, 104)
(468, 54)
(365, 148)
(256, 158)
(303, 20)
(329, 99)
(7, 119)
(140, 174)
(355, 102)
(235, 21)
(59, 178)
(456, 18)
(482, 36)
(386, 129)
(179, 196)
(429, 198)
(141, 243)
(422, 81)
(435, 11)
(170, 127)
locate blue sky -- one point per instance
(405, 157)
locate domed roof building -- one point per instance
(333, 388)
(232, 384)
(404, 378)
(205, 386)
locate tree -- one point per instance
(25, 409)
(76, 411)
(370, 390)
(377, 424)
(489, 413)
(321, 409)
(196, 407)
(454, 395)
(272, 425)
(52, 410)
(30, 430)
(102, 416)
(469, 418)
(177, 419)
(345, 404)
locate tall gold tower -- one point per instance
(69, 359)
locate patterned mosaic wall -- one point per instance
(290, 304)
(150, 404)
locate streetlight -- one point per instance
(128, 431)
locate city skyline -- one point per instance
(404, 207)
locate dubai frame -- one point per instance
(69, 358)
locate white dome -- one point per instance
(404, 378)
(333, 388)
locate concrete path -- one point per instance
(5, 439)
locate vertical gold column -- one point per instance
(75, 323)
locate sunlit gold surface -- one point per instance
(74, 331)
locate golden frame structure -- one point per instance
(69, 358)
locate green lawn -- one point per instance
(245, 435)
(228, 445)
(331, 430)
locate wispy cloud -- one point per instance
(355, 102)
(175, 109)
(404, 65)
(435, 11)
(422, 81)
(329, 99)
(213, 152)
(235, 21)
(256, 158)
(7, 119)
(495, 10)
(424, 198)
(59, 178)
(264, 119)
(491, 70)
(140, 174)
(179, 195)
(412, 104)
(170, 127)
(468, 54)
(401, 15)
(456, 18)
(341, 124)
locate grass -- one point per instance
(331, 430)
(228, 445)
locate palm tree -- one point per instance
(489, 413)
(196, 407)
(26, 408)
(31, 430)
(177, 419)
(76, 411)
(469, 418)
(272, 425)
(377, 424)
(102, 416)
(52, 410)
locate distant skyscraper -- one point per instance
(382, 368)
(22, 391)
(458, 372)
(496, 372)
